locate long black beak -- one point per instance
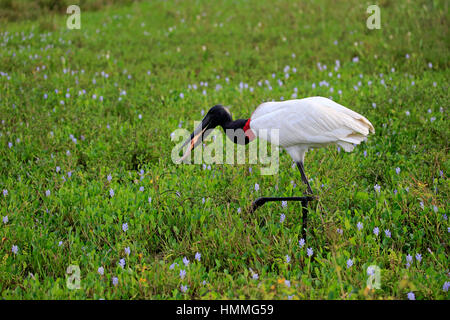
(199, 134)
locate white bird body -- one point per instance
(295, 125)
(309, 122)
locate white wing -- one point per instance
(313, 121)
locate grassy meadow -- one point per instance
(86, 176)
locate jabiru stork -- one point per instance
(302, 123)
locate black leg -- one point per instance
(304, 200)
(304, 178)
(304, 218)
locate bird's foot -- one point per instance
(312, 196)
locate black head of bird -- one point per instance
(219, 115)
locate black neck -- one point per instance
(237, 137)
(236, 124)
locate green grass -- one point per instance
(185, 43)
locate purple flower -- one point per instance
(397, 170)
(255, 276)
(198, 256)
(287, 283)
(125, 227)
(446, 286)
(184, 288)
(239, 210)
(5, 219)
(418, 257)
(409, 258)
(141, 189)
(185, 261)
(127, 251)
(122, 263)
(349, 263)
(283, 204)
(182, 274)
(172, 266)
(376, 230)
(359, 225)
(47, 193)
(309, 252)
(15, 249)
(387, 233)
(282, 217)
(100, 270)
(288, 259)
(109, 178)
(5, 192)
(377, 188)
(115, 281)
(301, 242)
(256, 187)
(111, 192)
(411, 296)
